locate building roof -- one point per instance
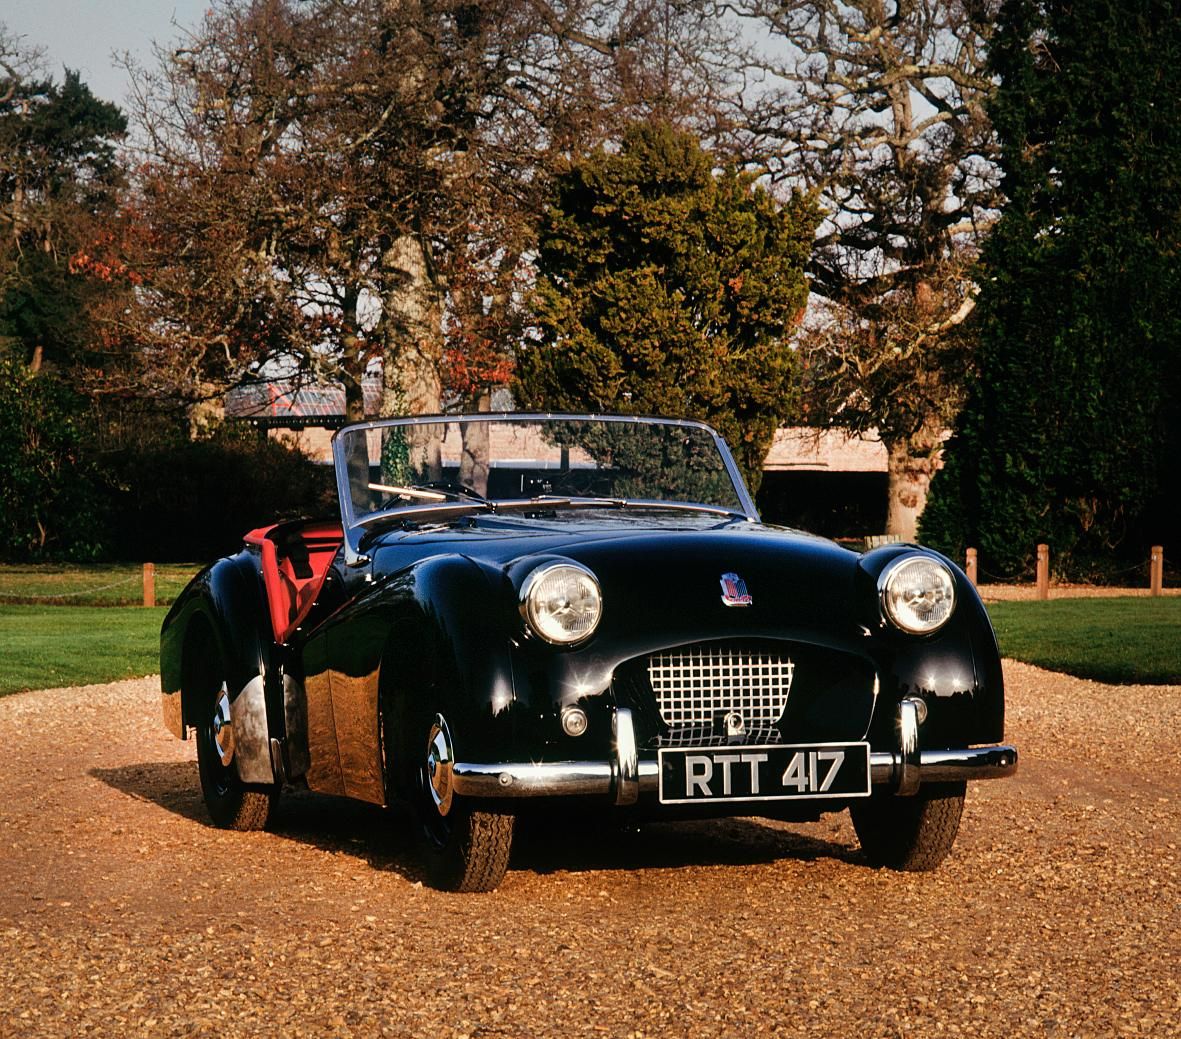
(286, 404)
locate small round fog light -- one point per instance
(574, 721)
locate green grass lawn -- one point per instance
(42, 647)
(1125, 640)
(90, 584)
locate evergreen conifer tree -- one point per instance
(1071, 432)
(667, 289)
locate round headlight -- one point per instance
(561, 602)
(917, 594)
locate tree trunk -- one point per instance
(412, 333)
(412, 350)
(352, 378)
(206, 413)
(475, 461)
(911, 462)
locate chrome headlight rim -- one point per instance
(891, 573)
(526, 601)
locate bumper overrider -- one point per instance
(624, 777)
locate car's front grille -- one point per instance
(715, 693)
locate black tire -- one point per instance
(232, 804)
(462, 848)
(913, 834)
(469, 850)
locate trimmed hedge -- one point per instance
(194, 500)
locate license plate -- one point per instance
(779, 772)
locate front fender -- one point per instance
(435, 635)
(956, 671)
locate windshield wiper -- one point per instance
(414, 513)
(430, 493)
(424, 500)
(543, 501)
(451, 504)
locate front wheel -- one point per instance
(233, 805)
(465, 849)
(913, 834)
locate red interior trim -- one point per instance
(295, 562)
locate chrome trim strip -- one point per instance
(626, 765)
(525, 779)
(908, 746)
(554, 778)
(949, 766)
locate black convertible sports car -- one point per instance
(515, 609)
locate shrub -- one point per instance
(52, 495)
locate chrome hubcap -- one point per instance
(440, 771)
(223, 726)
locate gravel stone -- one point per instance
(124, 913)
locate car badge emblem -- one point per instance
(734, 591)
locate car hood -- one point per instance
(668, 575)
(799, 586)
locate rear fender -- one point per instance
(218, 630)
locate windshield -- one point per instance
(506, 462)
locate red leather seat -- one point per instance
(295, 558)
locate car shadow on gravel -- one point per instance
(170, 784)
(377, 835)
(545, 843)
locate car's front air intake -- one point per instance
(718, 691)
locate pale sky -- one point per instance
(84, 34)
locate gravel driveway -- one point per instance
(123, 913)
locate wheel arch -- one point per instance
(219, 629)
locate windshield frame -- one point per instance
(355, 529)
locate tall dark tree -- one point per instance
(1072, 431)
(59, 178)
(667, 289)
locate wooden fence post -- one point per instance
(1156, 569)
(1043, 571)
(149, 584)
(970, 566)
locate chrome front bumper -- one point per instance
(625, 777)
